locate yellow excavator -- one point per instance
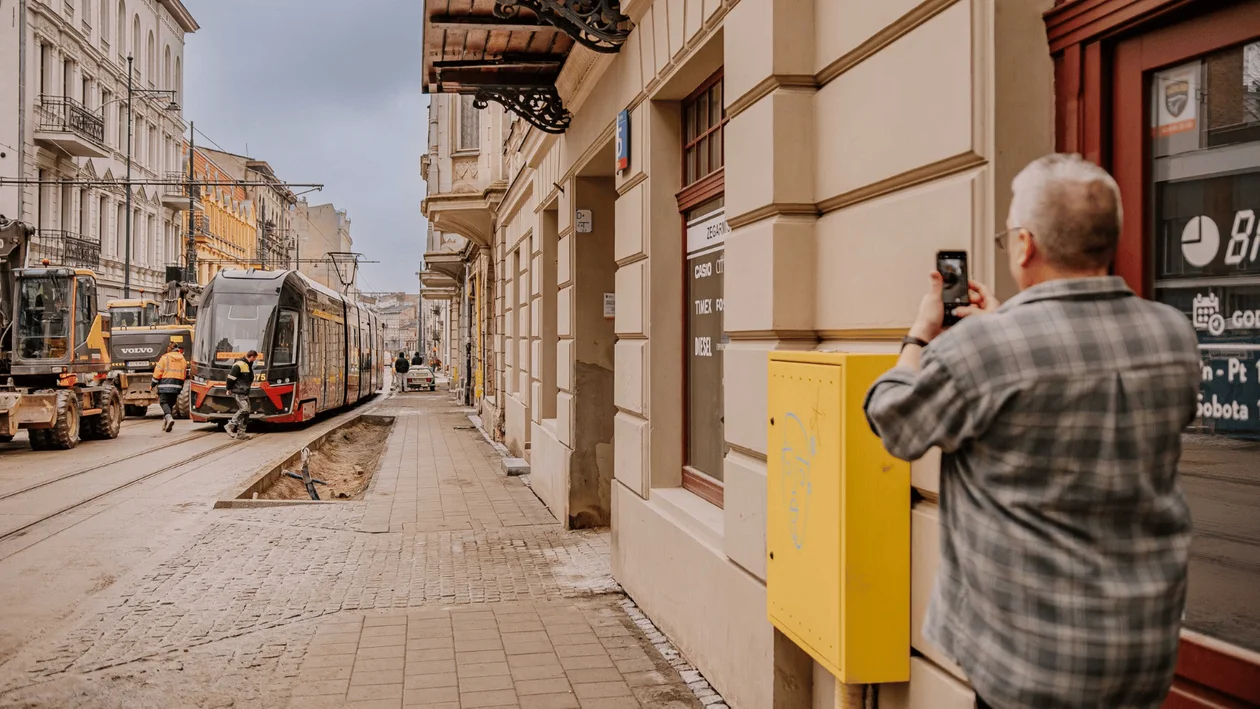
(54, 351)
(142, 331)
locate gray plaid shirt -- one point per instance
(1064, 532)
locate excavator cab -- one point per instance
(57, 330)
(133, 313)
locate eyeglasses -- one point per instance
(1000, 237)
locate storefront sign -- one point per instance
(705, 340)
(1209, 227)
(623, 140)
(707, 231)
(1208, 267)
(1227, 319)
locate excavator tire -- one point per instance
(105, 425)
(183, 405)
(64, 435)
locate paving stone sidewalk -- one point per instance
(449, 586)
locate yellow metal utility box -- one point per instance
(838, 524)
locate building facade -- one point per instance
(272, 204)
(466, 173)
(66, 126)
(829, 149)
(400, 319)
(321, 230)
(224, 220)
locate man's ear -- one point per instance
(1028, 248)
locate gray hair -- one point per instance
(1072, 208)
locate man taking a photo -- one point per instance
(1064, 532)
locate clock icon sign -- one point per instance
(1200, 240)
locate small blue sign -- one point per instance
(623, 140)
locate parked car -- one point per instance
(420, 378)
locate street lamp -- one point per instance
(171, 107)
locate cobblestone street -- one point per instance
(450, 585)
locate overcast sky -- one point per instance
(326, 91)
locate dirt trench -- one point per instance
(346, 462)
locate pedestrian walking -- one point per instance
(1064, 531)
(168, 380)
(417, 360)
(401, 367)
(239, 381)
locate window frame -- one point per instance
(463, 107)
(699, 191)
(295, 351)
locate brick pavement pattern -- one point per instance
(449, 586)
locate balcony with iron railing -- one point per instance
(175, 196)
(67, 125)
(68, 248)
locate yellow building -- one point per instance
(224, 221)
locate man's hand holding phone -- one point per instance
(930, 321)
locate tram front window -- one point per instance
(43, 318)
(232, 329)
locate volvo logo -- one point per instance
(136, 350)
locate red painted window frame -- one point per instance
(1104, 52)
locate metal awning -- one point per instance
(511, 51)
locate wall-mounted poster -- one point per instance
(1177, 99)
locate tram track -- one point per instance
(18, 532)
(114, 461)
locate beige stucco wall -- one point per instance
(863, 137)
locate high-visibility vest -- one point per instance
(172, 365)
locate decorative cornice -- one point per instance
(767, 86)
(868, 334)
(900, 27)
(919, 175)
(926, 173)
(775, 209)
(639, 178)
(793, 335)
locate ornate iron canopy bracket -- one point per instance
(598, 24)
(539, 105)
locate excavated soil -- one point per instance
(346, 461)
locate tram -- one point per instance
(317, 349)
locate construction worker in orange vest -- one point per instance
(168, 379)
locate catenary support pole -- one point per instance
(127, 238)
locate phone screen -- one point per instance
(952, 265)
(954, 272)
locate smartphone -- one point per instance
(952, 265)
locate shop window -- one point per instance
(702, 205)
(1205, 152)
